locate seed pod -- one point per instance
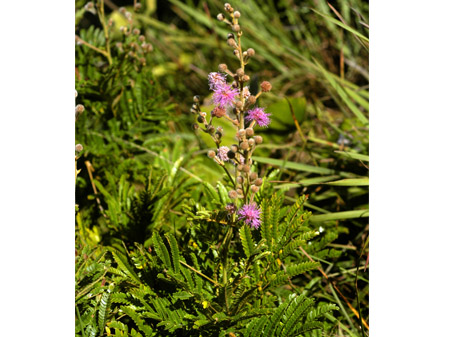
(211, 154)
(79, 109)
(241, 133)
(149, 47)
(136, 31)
(254, 188)
(239, 105)
(218, 112)
(249, 132)
(251, 142)
(237, 15)
(240, 180)
(245, 78)
(246, 168)
(240, 72)
(210, 129)
(250, 52)
(253, 176)
(252, 99)
(266, 86)
(236, 28)
(232, 194)
(141, 38)
(244, 145)
(220, 17)
(232, 43)
(239, 191)
(223, 67)
(78, 148)
(234, 148)
(240, 167)
(258, 182)
(258, 139)
(231, 154)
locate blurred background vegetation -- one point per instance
(314, 53)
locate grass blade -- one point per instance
(340, 215)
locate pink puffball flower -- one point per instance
(216, 80)
(224, 95)
(259, 116)
(250, 213)
(222, 153)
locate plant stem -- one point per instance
(101, 15)
(87, 44)
(226, 246)
(201, 274)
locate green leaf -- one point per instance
(175, 252)
(340, 215)
(350, 182)
(161, 250)
(266, 230)
(343, 94)
(352, 155)
(105, 304)
(247, 241)
(293, 166)
(182, 295)
(343, 25)
(122, 262)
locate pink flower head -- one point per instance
(250, 213)
(222, 153)
(224, 95)
(259, 116)
(216, 80)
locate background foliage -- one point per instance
(148, 225)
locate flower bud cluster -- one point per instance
(79, 109)
(134, 44)
(234, 102)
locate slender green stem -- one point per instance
(229, 176)
(87, 44)
(101, 15)
(81, 322)
(198, 272)
(226, 246)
